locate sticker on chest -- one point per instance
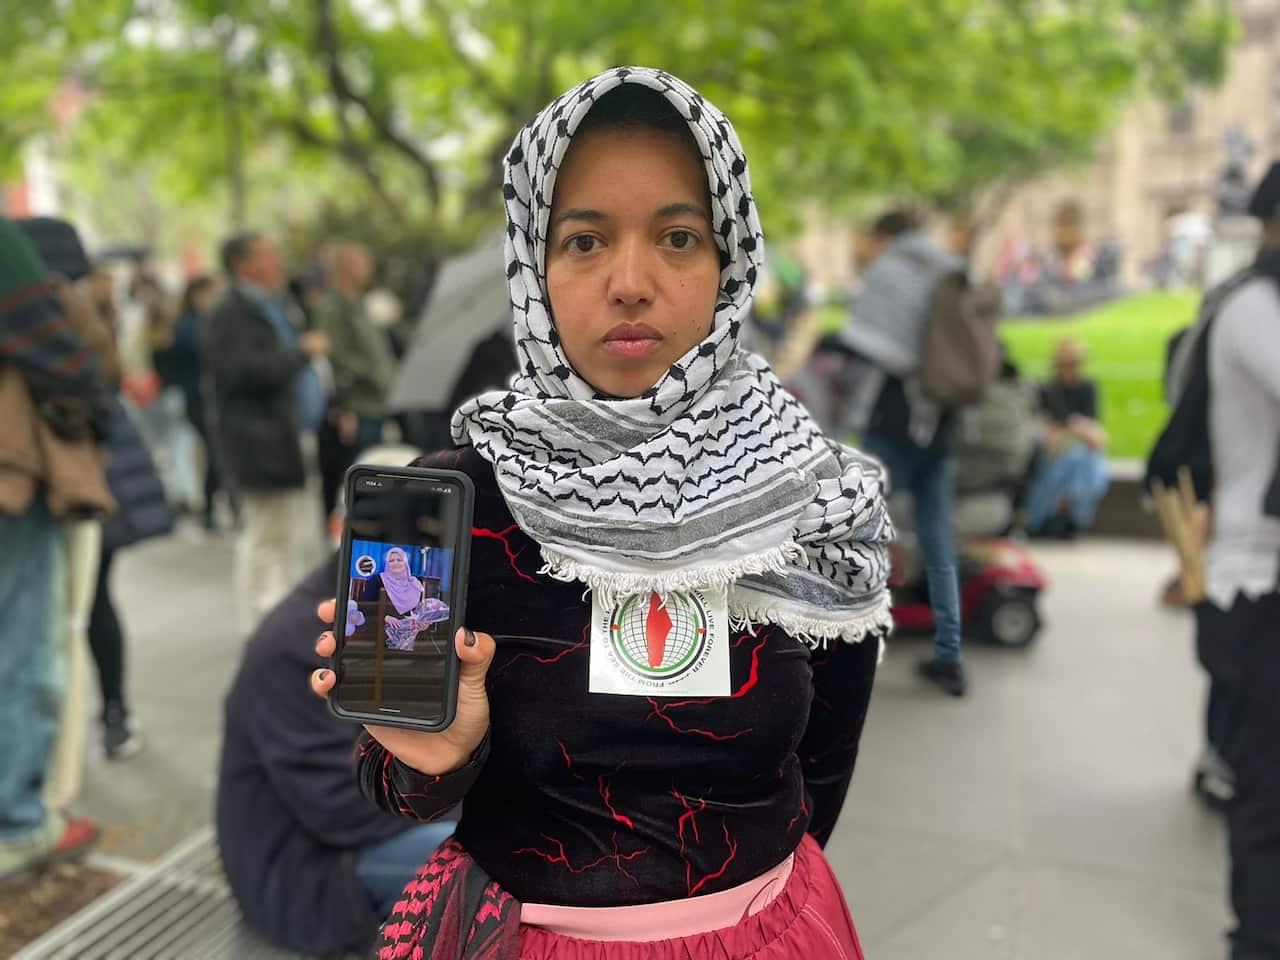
(661, 645)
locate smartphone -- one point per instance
(402, 594)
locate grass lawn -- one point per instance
(1126, 341)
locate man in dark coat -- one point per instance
(314, 865)
(268, 402)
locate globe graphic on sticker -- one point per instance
(656, 640)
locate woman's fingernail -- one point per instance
(324, 676)
(469, 638)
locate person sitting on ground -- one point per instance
(313, 864)
(1071, 480)
(657, 464)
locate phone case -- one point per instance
(462, 570)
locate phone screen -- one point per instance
(403, 595)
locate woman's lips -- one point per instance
(633, 341)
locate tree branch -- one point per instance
(349, 149)
(481, 79)
(380, 119)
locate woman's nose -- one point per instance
(630, 275)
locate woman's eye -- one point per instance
(584, 243)
(682, 239)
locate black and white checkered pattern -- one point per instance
(713, 477)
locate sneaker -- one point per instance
(62, 837)
(1214, 780)
(118, 738)
(947, 675)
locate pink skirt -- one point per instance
(808, 919)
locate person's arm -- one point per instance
(842, 679)
(1250, 322)
(1084, 423)
(247, 355)
(330, 319)
(397, 788)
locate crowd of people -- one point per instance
(549, 815)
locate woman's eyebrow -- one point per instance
(679, 208)
(590, 216)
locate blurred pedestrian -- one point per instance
(269, 401)
(1243, 570)
(1072, 476)
(910, 434)
(61, 376)
(142, 513)
(182, 364)
(363, 364)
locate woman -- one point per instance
(653, 461)
(180, 364)
(407, 596)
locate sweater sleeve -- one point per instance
(397, 788)
(842, 680)
(1251, 335)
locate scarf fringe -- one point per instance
(814, 632)
(611, 586)
(817, 633)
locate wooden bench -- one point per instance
(181, 906)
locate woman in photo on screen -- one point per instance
(407, 596)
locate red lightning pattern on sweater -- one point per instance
(729, 858)
(481, 533)
(559, 857)
(606, 794)
(659, 710)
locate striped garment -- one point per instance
(715, 477)
(35, 334)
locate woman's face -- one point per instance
(632, 269)
(395, 564)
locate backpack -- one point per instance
(1184, 441)
(961, 352)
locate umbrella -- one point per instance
(469, 303)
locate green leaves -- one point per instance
(406, 106)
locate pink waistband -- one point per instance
(662, 921)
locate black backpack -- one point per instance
(1184, 441)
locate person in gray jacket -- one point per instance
(909, 434)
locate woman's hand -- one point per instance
(430, 753)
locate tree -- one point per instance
(405, 107)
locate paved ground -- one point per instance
(1046, 817)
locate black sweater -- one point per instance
(601, 800)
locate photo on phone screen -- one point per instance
(403, 597)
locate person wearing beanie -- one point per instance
(61, 373)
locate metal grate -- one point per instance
(179, 908)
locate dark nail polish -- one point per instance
(469, 638)
(324, 675)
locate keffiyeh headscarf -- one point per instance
(715, 477)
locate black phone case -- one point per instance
(462, 568)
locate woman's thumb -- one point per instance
(475, 650)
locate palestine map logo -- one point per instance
(656, 642)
